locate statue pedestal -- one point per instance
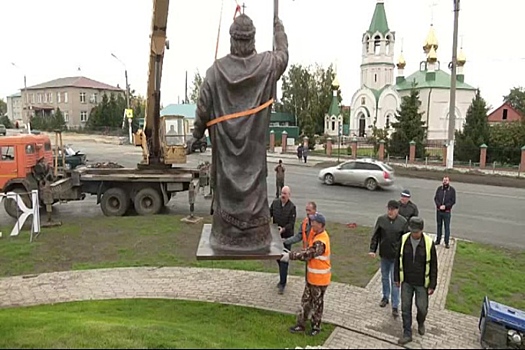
(206, 252)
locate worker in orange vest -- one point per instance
(318, 275)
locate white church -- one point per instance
(379, 97)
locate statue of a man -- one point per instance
(234, 105)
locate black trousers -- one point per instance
(407, 295)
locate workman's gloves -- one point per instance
(286, 256)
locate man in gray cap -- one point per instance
(407, 208)
(416, 272)
(387, 234)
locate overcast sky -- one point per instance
(49, 39)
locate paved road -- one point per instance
(486, 214)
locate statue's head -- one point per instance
(242, 33)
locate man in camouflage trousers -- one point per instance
(318, 275)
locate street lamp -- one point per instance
(126, 75)
(26, 96)
(452, 107)
(339, 131)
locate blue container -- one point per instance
(504, 315)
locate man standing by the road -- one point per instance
(387, 234)
(279, 178)
(284, 214)
(318, 275)
(305, 153)
(407, 208)
(416, 272)
(445, 199)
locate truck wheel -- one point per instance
(11, 206)
(148, 201)
(115, 202)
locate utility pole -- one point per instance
(453, 84)
(127, 94)
(26, 100)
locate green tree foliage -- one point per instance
(516, 98)
(195, 87)
(476, 131)
(307, 92)
(52, 122)
(505, 143)
(408, 127)
(108, 113)
(4, 119)
(3, 108)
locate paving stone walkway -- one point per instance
(361, 323)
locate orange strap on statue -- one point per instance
(239, 114)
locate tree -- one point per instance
(408, 127)
(476, 131)
(307, 93)
(52, 122)
(4, 119)
(516, 98)
(195, 87)
(506, 140)
(3, 108)
(108, 113)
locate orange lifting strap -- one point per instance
(239, 114)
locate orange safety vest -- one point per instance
(319, 271)
(306, 236)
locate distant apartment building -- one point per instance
(75, 96)
(14, 107)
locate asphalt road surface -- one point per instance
(487, 214)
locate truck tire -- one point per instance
(148, 201)
(115, 202)
(11, 206)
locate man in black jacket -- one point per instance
(407, 208)
(416, 271)
(284, 213)
(445, 198)
(387, 234)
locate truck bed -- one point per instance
(184, 175)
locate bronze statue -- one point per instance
(234, 105)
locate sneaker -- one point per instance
(384, 302)
(395, 312)
(314, 332)
(404, 340)
(421, 329)
(297, 329)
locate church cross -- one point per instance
(243, 8)
(432, 5)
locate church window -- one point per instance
(375, 78)
(505, 113)
(333, 126)
(363, 101)
(377, 45)
(387, 122)
(388, 45)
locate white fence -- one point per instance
(24, 212)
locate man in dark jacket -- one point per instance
(407, 208)
(284, 213)
(444, 199)
(387, 234)
(416, 271)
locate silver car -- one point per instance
(369, 173)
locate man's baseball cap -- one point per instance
(392, 204)
(405, 193)
(318, 217)
(416, 224)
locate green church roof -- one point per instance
(441, 81)
(334, 107)
(379, 22)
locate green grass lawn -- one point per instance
(162, 240)
(361, 152)
(481, 270)
(149, 323)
